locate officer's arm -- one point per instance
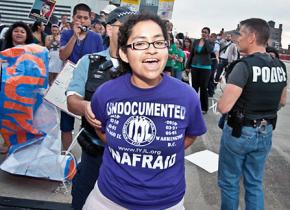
(76, 89)
(76, 104)
(229, 98)
(189, 141)
(283, 98)
(233, 89)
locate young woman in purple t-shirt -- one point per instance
(145, 126)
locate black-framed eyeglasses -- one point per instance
(116, 25)
(144, 45)
(204, 32)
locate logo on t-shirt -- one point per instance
(139, 130)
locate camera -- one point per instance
(84, 28)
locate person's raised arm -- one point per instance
(66, 50)
(208, 46)
(48, 41)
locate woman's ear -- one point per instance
(123, 55)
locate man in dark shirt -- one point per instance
(256, 88)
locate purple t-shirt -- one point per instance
(143, 161)
(91, 44)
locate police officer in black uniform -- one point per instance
(256, 89)
(92, 71)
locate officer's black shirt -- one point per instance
(261, 95)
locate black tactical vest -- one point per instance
(261, 95)
(99, 72)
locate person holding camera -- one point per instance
(76, 43)
(256, 88)
(92, 71)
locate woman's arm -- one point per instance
(48, 40)
(208, 46)
(189, 141)
(101, 135)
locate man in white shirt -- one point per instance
(228, 54)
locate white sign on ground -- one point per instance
(205, 159)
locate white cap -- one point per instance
(109, 8)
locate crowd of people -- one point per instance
(139, 113)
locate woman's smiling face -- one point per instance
(146, 64)
(19, 36)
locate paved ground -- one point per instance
(202, 191)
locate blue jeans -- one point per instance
(85, 179)
(244, 156)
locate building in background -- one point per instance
(149, 6)
(18, 10)
(276, 34)
(163, 8)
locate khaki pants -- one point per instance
(96, 200)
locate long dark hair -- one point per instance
(125, 32)
(8, 34)
(190, 42)
(35, 26)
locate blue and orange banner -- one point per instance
(24, 78)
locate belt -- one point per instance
(257, 123)
(252, 123)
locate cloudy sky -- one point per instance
(191, 15)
